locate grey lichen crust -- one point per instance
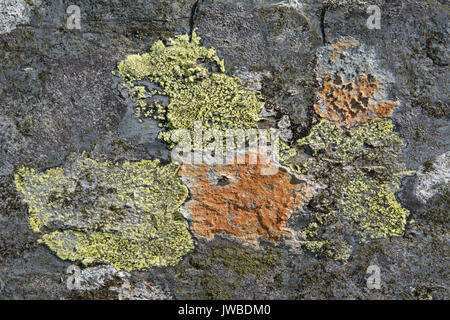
(110, 282)
(433, 177)
(13, 13)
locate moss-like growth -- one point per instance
(361, 169)
(184, 72)
(202, 276)
(102, 212)
(246, 262)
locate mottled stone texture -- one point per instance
(311, 62)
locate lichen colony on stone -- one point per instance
(122, 214)
(193, 79)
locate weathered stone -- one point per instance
(432, 177)
(12, 14)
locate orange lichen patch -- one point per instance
(384, 110)
(238, 200)
(340, 46)
(351, 103)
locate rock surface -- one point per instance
(317, 73)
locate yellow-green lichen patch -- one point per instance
(374, 207)
(371, 147)
(123, 214)
(184, 71)
(361, 170)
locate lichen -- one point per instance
(12, 14)
(201, 277)
(184, 72)
(123, 214)
(350, 103)
(432, 177)
(341, 45)
(374, 207)
(353, 89)
(361, 169)
(238, 200)
(371, 146)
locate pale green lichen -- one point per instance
(168, 64)
(361, 169)
(371, 146)
(182, 72)
(123, 214)
(374, 207)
